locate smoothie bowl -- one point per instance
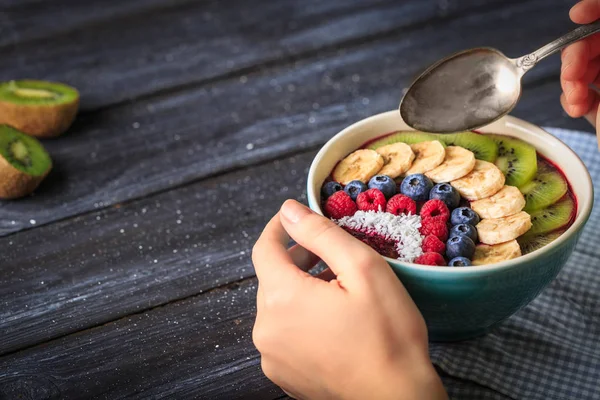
(474, 224)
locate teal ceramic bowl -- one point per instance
(461, 303)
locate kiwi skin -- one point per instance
(39, 120)
(15, 183)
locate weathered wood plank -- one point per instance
(120, 154)
(25, 20)
(540, 105)
(86, 271)
(198, 348)
(115, 53)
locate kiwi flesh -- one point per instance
(553, 217)
(516, 159)
(24, 163)
(409, 137)
(530, 243)
(483, 147)
(38, 108)
(547, 187)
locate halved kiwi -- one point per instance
(552, 217)
(516, 159)
(38, 108)
(547, 187)
(24, 163)
(530, 243)
(483, 147)
(409, 137)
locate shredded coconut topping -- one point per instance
(402, 229)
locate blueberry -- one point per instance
(330, 188)
(355, 188)
(383, 183)
(464, 215)
(460, 246)
(464, 230)
(446, 193)
(460, 262)
(417, 187)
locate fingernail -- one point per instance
(294, 211)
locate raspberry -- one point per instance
(340, 205)
(435, 209)
(433, 244)
(431, 259)
(401, 204)
(371, 200)
(435, 227)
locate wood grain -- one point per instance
(210, 112)
(92, 269)
(123, 153)
(85, 271)
(26, 20)
(198, 348)
(223, 94)
(116, 53)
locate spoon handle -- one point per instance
(530, 60)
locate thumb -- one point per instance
(346, 256)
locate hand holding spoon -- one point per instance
(475, 87)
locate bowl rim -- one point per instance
(580, 221)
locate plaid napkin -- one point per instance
(551, 348)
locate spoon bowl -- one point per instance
(465, 91)
(475, 87)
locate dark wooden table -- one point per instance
(128, 273)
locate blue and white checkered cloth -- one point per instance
(551, 348)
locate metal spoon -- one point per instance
(475, 87)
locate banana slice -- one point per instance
(397, 159)
(508, 201)
(457, 163)
(361, 165)
(500, 230)
(485, 254)
(428, 155)
(484, 181)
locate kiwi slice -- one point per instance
(483, 147)
(24, 163)
(552, 217)
(38, 108)
(547, 187)
(530, 243)
(404, 137)
(516, 159)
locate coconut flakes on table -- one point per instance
(401, 229)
